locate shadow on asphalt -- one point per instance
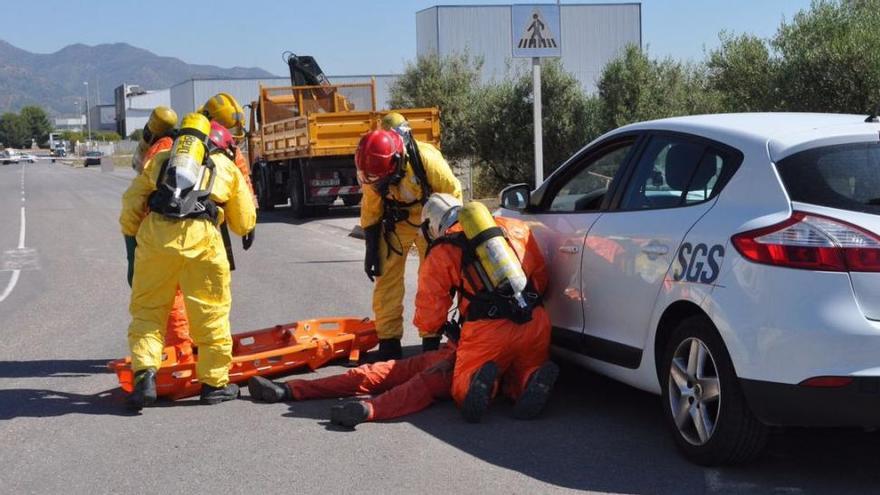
(283, 215)
(36, 403)
(600, 435)
(52, 368)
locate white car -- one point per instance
(729, 263)
(9, 156)
(29, 158)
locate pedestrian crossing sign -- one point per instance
(536, 30)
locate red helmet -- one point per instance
(221, 138)
(378, 155)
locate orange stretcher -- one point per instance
(304, 344)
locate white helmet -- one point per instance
(439, 213)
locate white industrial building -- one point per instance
(102, 117)
(592, 35)
(133, 106)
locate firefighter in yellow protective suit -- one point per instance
(397, 181)
(173, 208)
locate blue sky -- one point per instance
(346, 36)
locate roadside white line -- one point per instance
(13, 280)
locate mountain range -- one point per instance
(54, 81)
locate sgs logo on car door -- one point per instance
(700, 264)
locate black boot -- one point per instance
(431, 343)
(479, 393)
(534, 398)
(264, 390)
(144, 393)
(215, 395)
(388, 349)
(349, 414)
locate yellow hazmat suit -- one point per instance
(188, 253)
(389, 289)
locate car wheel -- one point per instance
(703, 402)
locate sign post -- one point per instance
(536, 34)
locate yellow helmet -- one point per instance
(223, 109)
(392, 121)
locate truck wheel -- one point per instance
(351, 199)
(263, 188)
(702, 399)
(297, 195)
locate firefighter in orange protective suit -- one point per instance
(514, 352)
(496, 269)
(158, 136)
(401, 387)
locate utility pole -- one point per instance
(536, 115)
(88, 120)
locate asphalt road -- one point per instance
(63, 429)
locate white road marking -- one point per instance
(13, 280)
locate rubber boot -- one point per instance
(349, 414)
(388, 349)
(144, 393)
(215, 395)
(430, 344)
(264, 390)
(537, 392)
(479, 393)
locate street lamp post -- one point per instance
(88, 120)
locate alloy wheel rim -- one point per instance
(694, 391)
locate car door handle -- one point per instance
(655, 249)
(569, 249)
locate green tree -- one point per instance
(744, 72)
(37, 123)
(830, 57)
(450, 83)
(109, 136)
(14, 131)
(635, 87)
(136, 135)
(504, 140)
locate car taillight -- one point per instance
(827, 382)
(812, 242)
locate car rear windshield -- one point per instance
(842, 176)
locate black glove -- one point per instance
(372, 236)
(130, 246)
(452, 331)
(248, 240)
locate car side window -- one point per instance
(673, 172)
(586, 188)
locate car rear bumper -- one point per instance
(857, 404)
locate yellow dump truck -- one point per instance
(302, 140)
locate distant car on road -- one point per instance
(9, 156)
(93, 158)
(27, 157)
(729, 263)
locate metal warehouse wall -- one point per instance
(592, 35)
(191, 94)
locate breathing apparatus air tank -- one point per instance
(500, 265)
(162, 120)
(188, 153)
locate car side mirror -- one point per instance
(516, 197)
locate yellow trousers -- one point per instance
(188, 253)
(389, 289)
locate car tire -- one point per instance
(706, 391)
